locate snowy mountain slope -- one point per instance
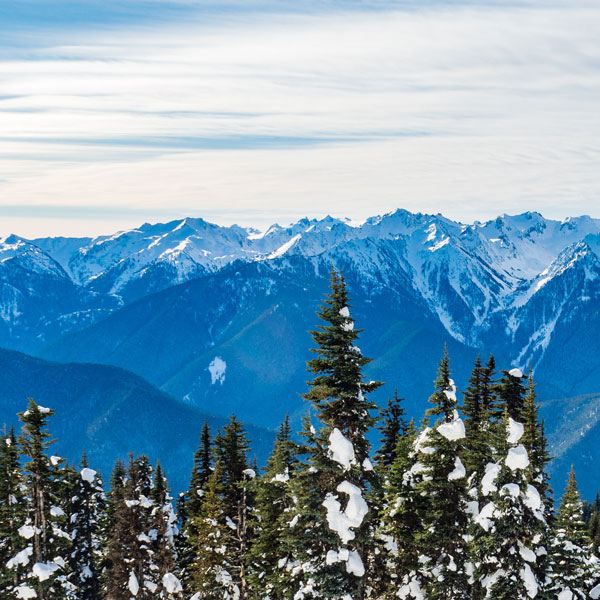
(238, 340)
(109, 412)
(512, 284)
(38, 299)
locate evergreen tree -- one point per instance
(477, 419)
(211, 568)
(328, 559)
(190, 504)
(507, 554)
(117, 537)
(392, 426)
(86, 505)
(14, 550)
(511, 394)
(401, 514)
(443, 517)
(273, 501)
(201, 471)
(162, 533)
(44, 516)
(571, 551)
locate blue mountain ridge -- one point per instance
(219, 316)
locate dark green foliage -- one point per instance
(201, 471)
(392, 425)
(511, 394)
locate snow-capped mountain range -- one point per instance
(473, 277)
(218, 316)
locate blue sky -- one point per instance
(115, 113)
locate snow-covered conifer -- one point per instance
(440, 538)
(509, 551)
(270, 517)
(14, 552)
(48, 542)
(84, 511)
(330, 515)
(571, 566)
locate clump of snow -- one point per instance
(532, 498)
(24, 592)
(282, 477)
(55, 460)
(488, 482)
(595, 593)
(217, 370)
(485, 516)
(44, 570)
(529, 581)
(348, 326)
(512, 489)
(515, 431)
(345, 312)
(422, 443)
(26, 531)
(454, 430)
(367, 465)
(341, 449)
(88, 474)
(355, 565)
(249, 473)
(516, 373)
(517, 458)
(459, 470)
(57, 511)
(21, 558)
(342, 522)
(134, 586)
(171, 583)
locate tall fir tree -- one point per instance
(210, 571)
(273, 502)
(14, 550)
(400, 518)
(85, 508)
(572, 569)
(162, 534)
(508, 553)
(511, 392)
(49, 543)
(443, 484)
(328, 560)
(201, 471)
(392, 425)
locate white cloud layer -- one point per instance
(468, 110)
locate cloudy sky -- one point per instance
(116, 112)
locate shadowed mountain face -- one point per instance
(218, 317)
(109, 412)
